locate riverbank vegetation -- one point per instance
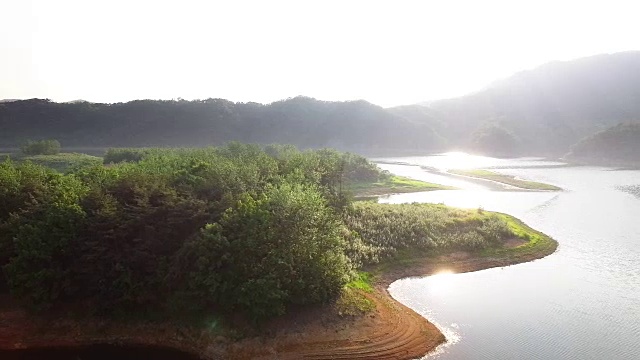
(236, 231)
(505, 179)
(48, 154)
(62, 162)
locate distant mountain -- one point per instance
(7, 100)
(543, 111)
(549, 108)
(305, 122)
(618, 145)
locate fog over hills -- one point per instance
(543, 111)
(551, 107)
(617, 145)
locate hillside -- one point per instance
(618, 145)
(305, 122)
(551, 107)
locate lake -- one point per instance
(582, 302)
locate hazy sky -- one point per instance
(389, 53)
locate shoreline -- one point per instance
(391, 331)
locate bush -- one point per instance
(41, 147)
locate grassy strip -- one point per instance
(353, 300)
(391, 185)
(61, 162)
(505, 179)
(536, 242)
(412, 262)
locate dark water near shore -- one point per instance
(583, 302)
(97, 352)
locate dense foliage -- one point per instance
(283, 246)
(238, 228)
(41, 147)
(63, 162)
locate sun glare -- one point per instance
(440, 283)
(460, 160)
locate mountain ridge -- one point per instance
(553, 106)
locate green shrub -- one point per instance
(114, 156)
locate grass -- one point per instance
(537, 246)
(536, 242)
(505, 179)
(391, 185)
(353, 299)
(402, 235)
(363, 281)
(386, 230)
(61, 162)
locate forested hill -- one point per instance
(617, 145)
(548, 109)
(543, 111)
(305, 122)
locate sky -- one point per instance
(386, 52)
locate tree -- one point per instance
(284, 246)
(42, 254)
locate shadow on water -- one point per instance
(97, 352)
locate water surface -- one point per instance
(583, 302)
